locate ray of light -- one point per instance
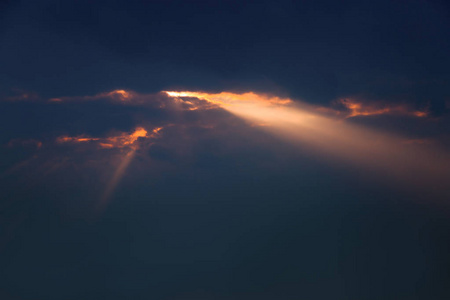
(124, 140)
(378, 152)
(117, 176)
(127, 143)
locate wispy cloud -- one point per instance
(115, 95)
(21, 95)
(119, 140)
(360, 108)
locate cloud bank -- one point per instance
(165, 128)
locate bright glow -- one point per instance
(230, 99)
(334, 138)
(120, 94)
(125, 139)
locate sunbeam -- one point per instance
(117, 176)
(122, 141)
(381, 153)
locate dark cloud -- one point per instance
(315, 52)
(197, 131)
(111, 189)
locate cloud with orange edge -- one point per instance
(120, 140)
(197, 100)
(359, 108)
(191, 117)
(115, 95)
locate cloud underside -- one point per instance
(174, 129)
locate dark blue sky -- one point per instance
(313, 50)
(112, 189)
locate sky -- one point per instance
(196, 150)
